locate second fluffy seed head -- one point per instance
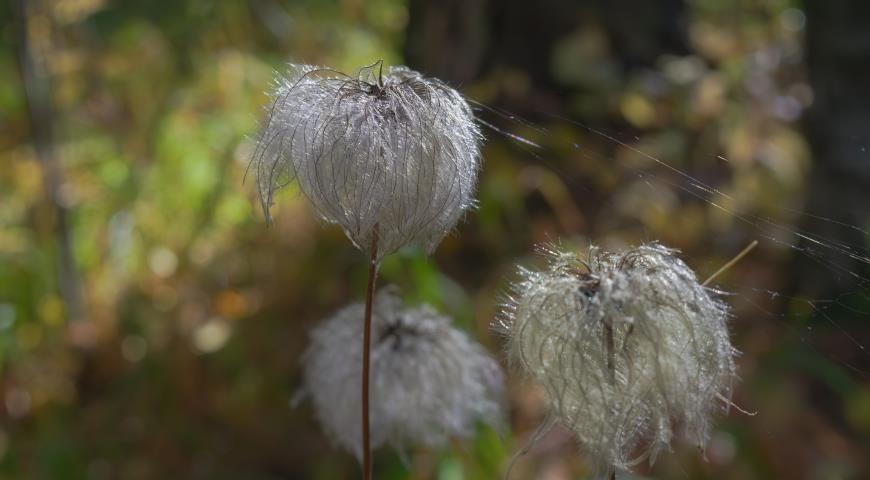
(629, 347)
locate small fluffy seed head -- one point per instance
(391, 150)
(629, 347)
(429, 380)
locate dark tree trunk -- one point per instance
(838, 129)
(460, 40)
(37, 93)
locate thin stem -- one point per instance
(367, 333)
(731, 262)
(611, 355)
(611, 368)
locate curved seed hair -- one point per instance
(629, 347)
(429, 380)
(390, 149)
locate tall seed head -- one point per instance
(429, 380)
(390, 149)
(629, 347)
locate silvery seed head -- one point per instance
(629, 346)
(429, 380)
(388, 150)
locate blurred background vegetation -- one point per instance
(151, 324)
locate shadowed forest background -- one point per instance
(151, 324)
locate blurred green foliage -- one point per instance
(186, 359)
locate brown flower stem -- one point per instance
(611, 355)
(611, 370)
(731, 262)
(367, 333)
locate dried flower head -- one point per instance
(392, 151)
(629, 346)
(429, 380)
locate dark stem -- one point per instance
(367, 333)
(381, 73)
(611, 368)
(611, 355)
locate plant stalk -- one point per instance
(731, 262)
(611, 370)
(367, 333)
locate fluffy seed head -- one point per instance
(429, 380)
(629, 347)
(390, 150)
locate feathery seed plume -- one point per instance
(391, 151)
(629, 347)
(429, 380)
